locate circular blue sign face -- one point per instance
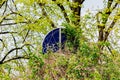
(51, 41)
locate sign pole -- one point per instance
(60, 40)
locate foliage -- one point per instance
(91, 51)
(84, 64)
(73, 35)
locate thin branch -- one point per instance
(10, 8)
(15, 43)
(8, 19)
(7, 32)
(11, 23)
(5, 8)
(63, 10)
(8, 54)
(109, 49)
(26, 35)
(3, 3)
(2, 44)
(14, 4)
(12, 51)
(15, 58)
(109, 3)
(114, 6)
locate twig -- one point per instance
(3, 3)
(15, 43)
(26, 35)
(5, 7)
(15, 58)
(14, 4)
(7, 32)
(2, 44)
(12, 51)
(11, 23)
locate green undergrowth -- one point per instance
(86, 64)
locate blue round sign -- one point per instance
(51, 41)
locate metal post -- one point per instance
(60, 40)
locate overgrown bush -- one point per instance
(86, 64)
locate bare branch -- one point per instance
(2, 44)
(109, 49)
(26, 35)
(15, 43)
(3, 3)
(12, 51)
(14, 4)
(15, 58)
(8, 19)
(7, 32)
(5, 8)
(10, 8)
(12, 23)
